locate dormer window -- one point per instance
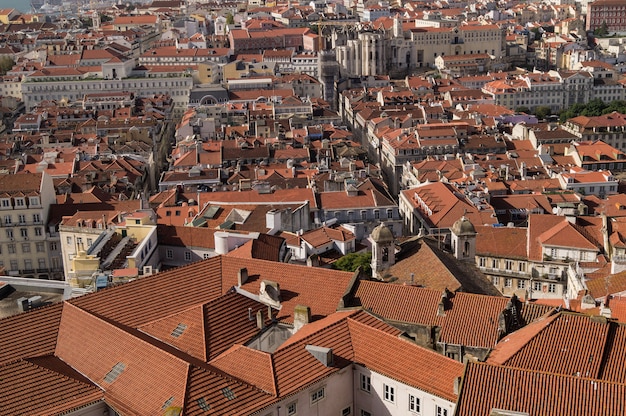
(5, 203)
(34, 201)
(19, 202)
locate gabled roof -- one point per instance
(488, 387)
(509, 242)
(566, 343)
(469, 319)
(63, 387)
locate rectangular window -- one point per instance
(25, 247)
(496, 280)
(318, 395)
(521, 266)
(53, 246)
(188, 255)
(414, 404)
(41, 263)
(13, 264)
(537, 286)
(38, 231)
(521, 284)
(10, 234)
(36, 218)
(169, 253)
(552, 288)
(24, 232)
(21, 218)
(11, 248)
(508, 282)
(366, 383)
(69, 240)
(39, 247)
(508, 264)
(389, 213)
(389, 393)
(6, 203)
(494, 263)
(347, 411)
(365, 413)
(376, 214)
(482, 261)
(19, 202)
(7, 219)
(441, 411)
(292, 409)
(34, 200)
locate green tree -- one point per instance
(230, 19)
(351, 262)
(603, 30)
(6, 64)
(542, 112)
(522, 109)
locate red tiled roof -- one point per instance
(29, 334)
(63, 388)
(558, 344)
(416, 366)
(257, 371)
(149, 375)
(487, 387)
(470, 320)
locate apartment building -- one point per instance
(606, 12)
(70, 84)
(537, 261)
(27, 247)
(610, 128)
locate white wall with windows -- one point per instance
(331, 396)
(376, 394)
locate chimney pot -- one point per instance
(457, 385)
(302, 316)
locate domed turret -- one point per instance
(383, 249)
(463, 235)
(381, 234)
(463, 226)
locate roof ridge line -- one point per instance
(549, 373)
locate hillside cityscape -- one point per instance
(291, 208)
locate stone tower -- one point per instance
(383, 249)
(463, 236)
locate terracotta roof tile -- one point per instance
(202, 283)
(470, 320)
(29, 334)
(184, 330)
(211, 388)
(416, 366)
(509, 242)
(130, 370)
(257, 371)
(59, 387)
(487, 387)
(321, 289)
(558, 344)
